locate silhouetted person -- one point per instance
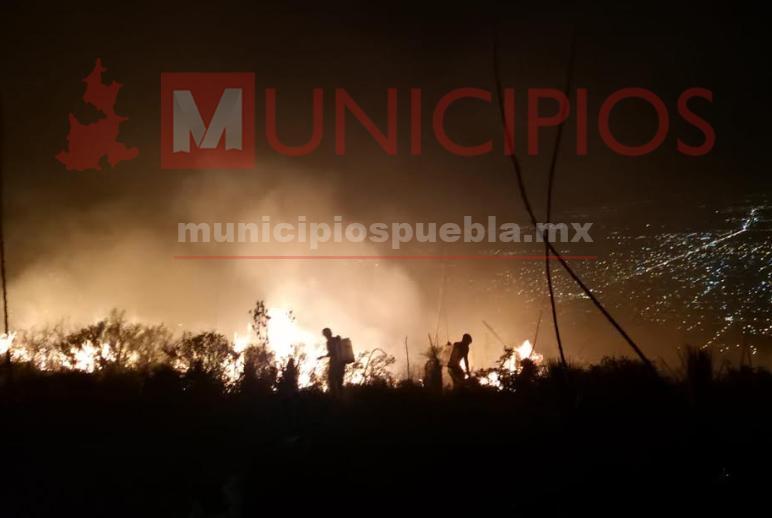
(459, 352)
(337, 366)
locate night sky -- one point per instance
(79, 243)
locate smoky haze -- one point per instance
(79, 244)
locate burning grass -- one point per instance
(273, 352)
(207, 425)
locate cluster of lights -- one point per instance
(711, 284)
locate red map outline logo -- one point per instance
(87, 144)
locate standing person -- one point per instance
(460, 352)
(337, 366)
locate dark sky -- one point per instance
(53, 215)
(435, 46)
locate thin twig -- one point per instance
(532, 215)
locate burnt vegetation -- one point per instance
(162, 426)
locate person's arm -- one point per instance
(328, 355)
(466, 362)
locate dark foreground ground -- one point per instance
(613, 437)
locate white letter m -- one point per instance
(188, 122)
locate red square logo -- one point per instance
(207, 120)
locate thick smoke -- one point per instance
(103, 257)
